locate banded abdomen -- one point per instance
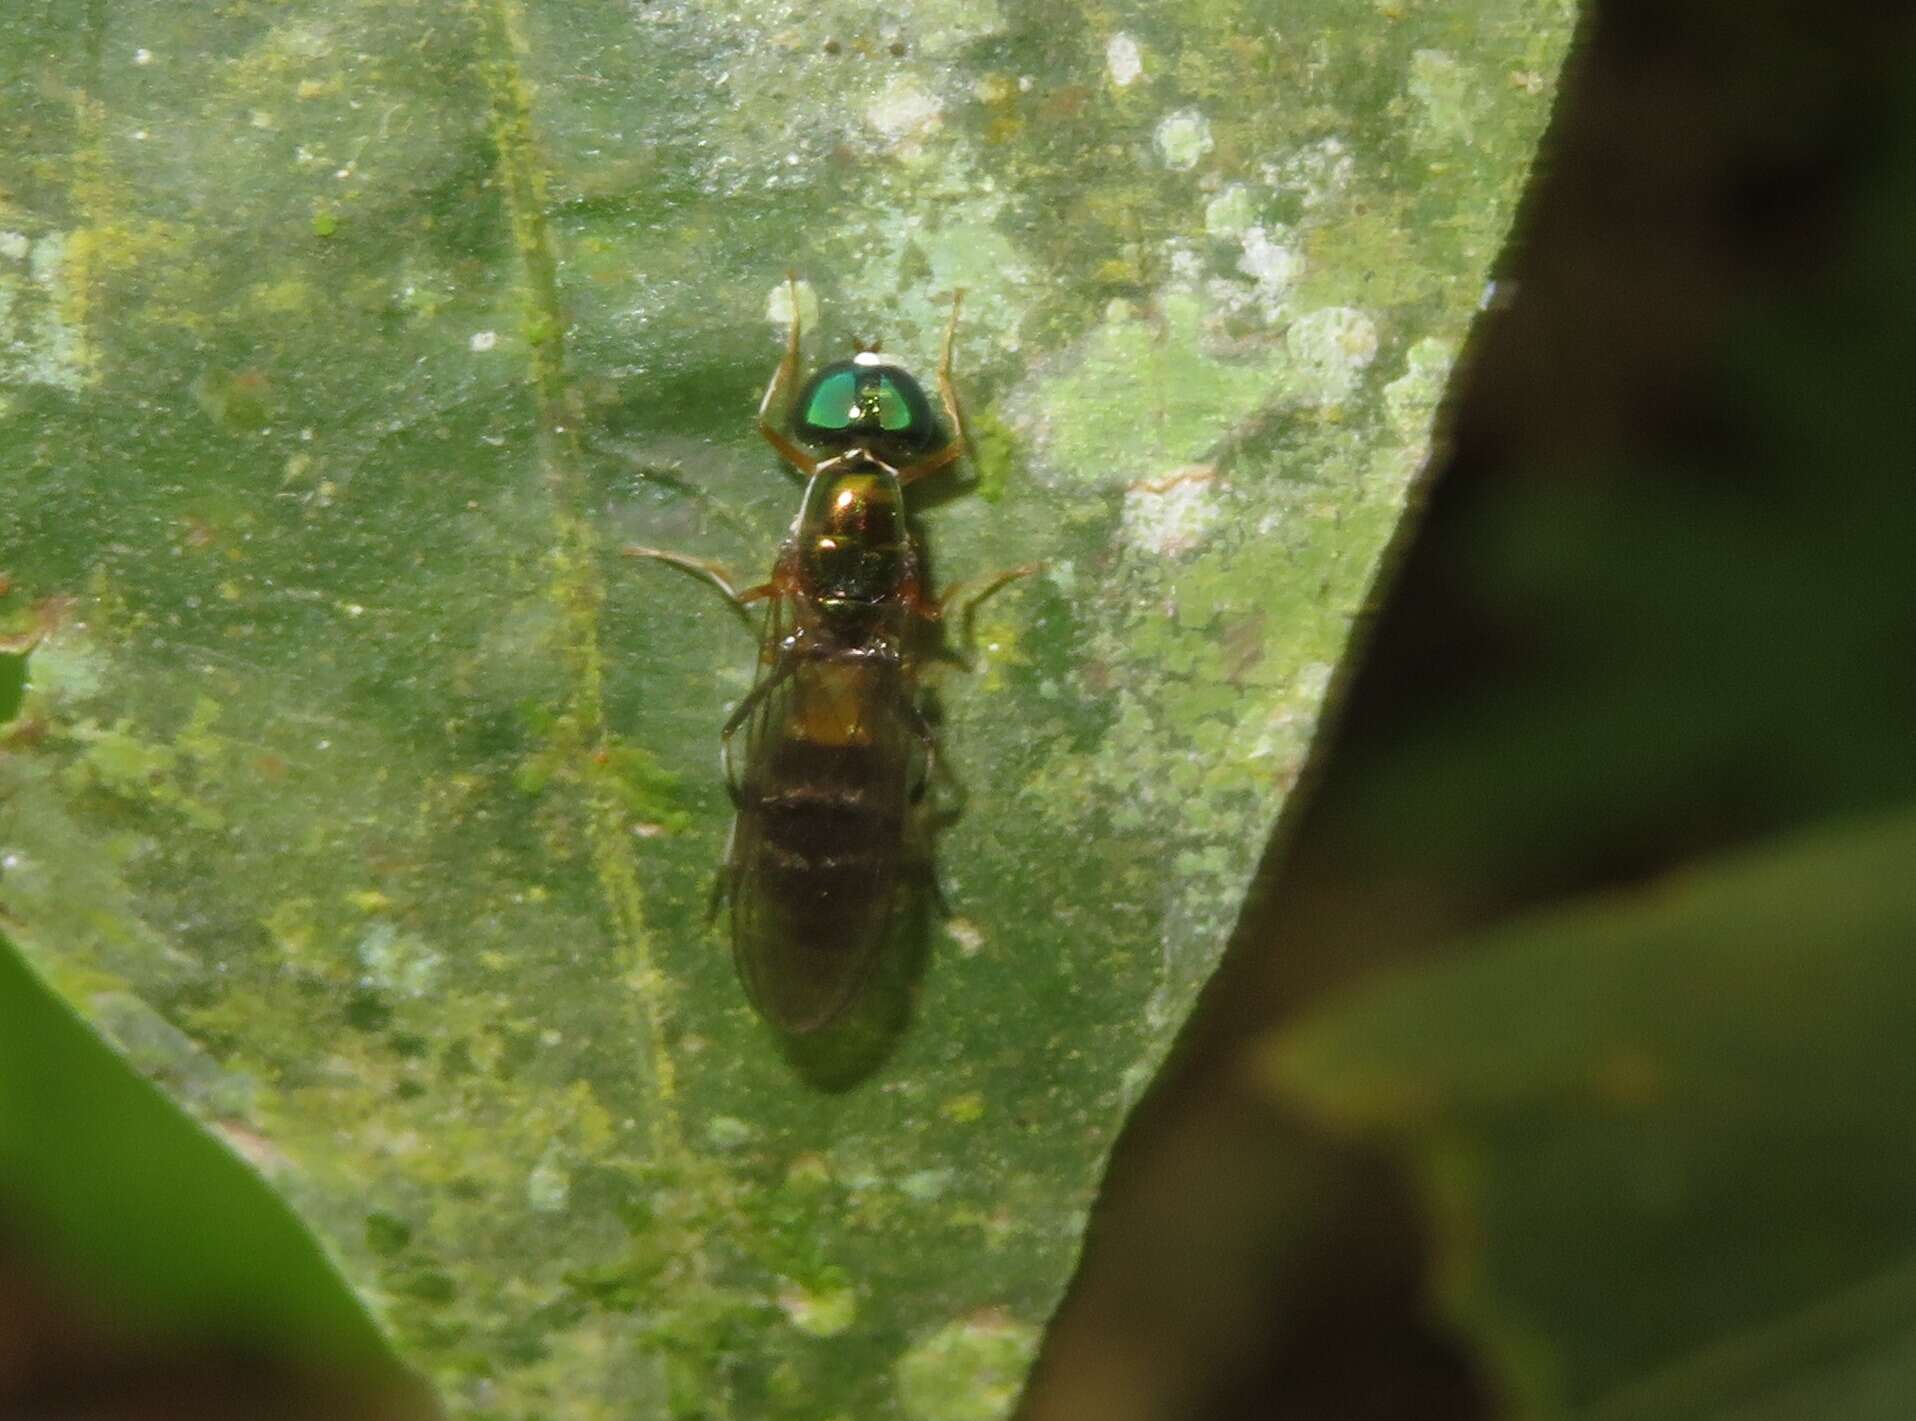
(819, 840)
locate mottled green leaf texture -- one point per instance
(1665, 1137)
(366, 798)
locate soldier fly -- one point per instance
(836, 747)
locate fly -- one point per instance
(836, 747)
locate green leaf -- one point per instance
(104, 1173)
(347, 342)
(1664, 1136)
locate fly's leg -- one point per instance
(788, 450)
(989, 585)
(713, 572)
(934, 812)
(940, 610)
(927, 740)
(948, 394)
(702, 567)
(776, 677)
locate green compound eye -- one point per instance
(831, 401)
(864, 400)
(894, 414)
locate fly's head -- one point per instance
(866, 403)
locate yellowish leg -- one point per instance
(938, 611)
(948, 394)
(713, 572)
(788, 450)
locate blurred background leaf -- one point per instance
(144, 1209)
(1660, 1134)
(360, 795)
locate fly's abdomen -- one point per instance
(828, 833)
(815, 864)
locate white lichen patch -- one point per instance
(1329, 349)
(824, 1310)
(68, 670)
(392, 961)
(1171, 516)
(778, 304)
(965, 933)
(905, 113)
(1440, 87)
(40, 344)
(1146, 397)
(952, 226)
(1186, 266)
(970, 1370)
(1315, 174)
(1278, 740)
(1183, 139)
(1312, 683)
(1411, 399)
(549, 1185)
(1284, 733)
(728, 1132)
(1123, 59)
(1230, 213)
(927, 1184)
(1274, 267)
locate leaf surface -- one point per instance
(345, 344)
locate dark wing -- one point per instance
(819, 839)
